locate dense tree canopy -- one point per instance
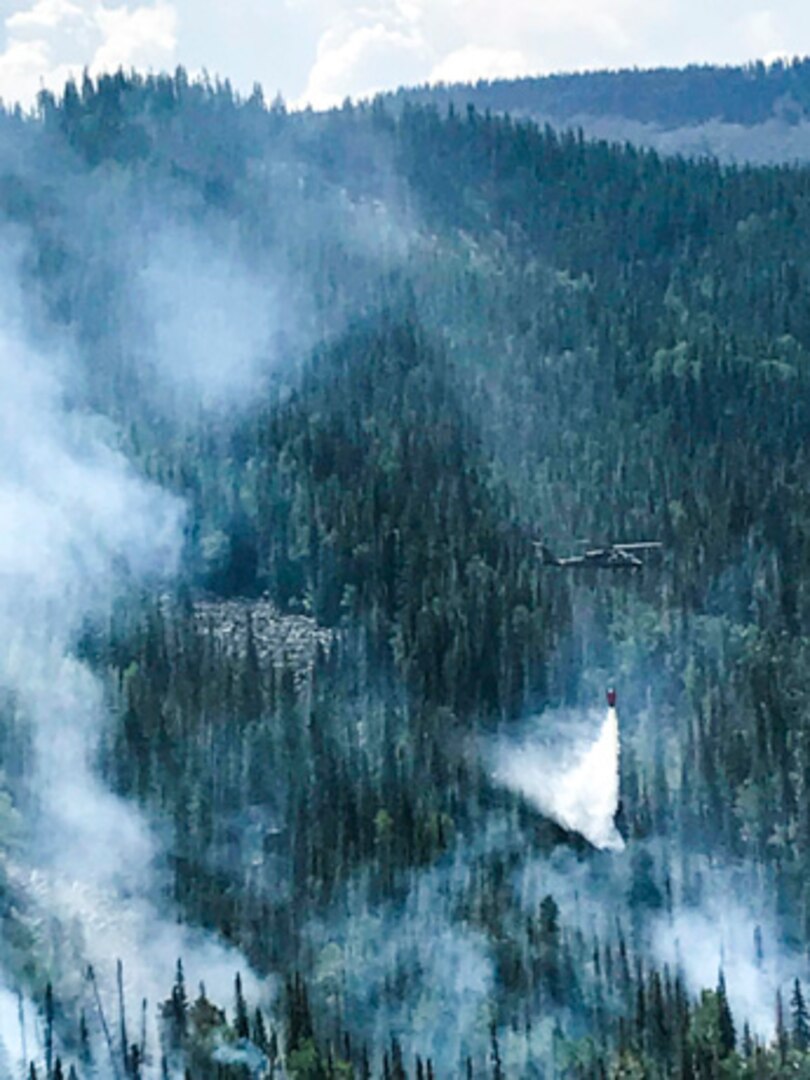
(497, 333)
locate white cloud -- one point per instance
(759, 27)
(323, 50)
(358, 62)
(49, 40)
(762, 34)
(474, 62)
(384, 43)
(613, 23)
(21, 66)
(143, 37)
(46, 14)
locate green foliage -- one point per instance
(575, 340)
(666, 97)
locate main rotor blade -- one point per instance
(640, 545)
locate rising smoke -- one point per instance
(730, 926)
(409, 969)
(78, 528)
(198, 306)
(175, 312)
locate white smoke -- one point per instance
(408, 968)
(78, 527)
(576, 784)
(182, 312)
(732, 929)
(211, 327)
(18, 1033)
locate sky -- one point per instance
(319, 52)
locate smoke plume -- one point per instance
(78, 528)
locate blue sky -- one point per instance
(320, 51)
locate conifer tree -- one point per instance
(782, 1038)
(259, 1032)
(748, 1042)
(726, 1035)
(49, 1018)
(495, 1054)
(800, 1020)
(241, 1020)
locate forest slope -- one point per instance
(374, 354)
(757, 112)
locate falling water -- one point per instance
(577, 787)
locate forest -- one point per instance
(288, 398)
(747, 94)
(756, 112)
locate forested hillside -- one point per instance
(672, 97)
(345, 369)
(757, 112)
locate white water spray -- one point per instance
(577, 786)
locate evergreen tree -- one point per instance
(495, 1054)
(782, 1038)
(800, 1020)
(241, 1019)
(49, 1019)
(726, 1035)
(259, 1033)
(175, 1010)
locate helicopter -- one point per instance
(608, 557)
